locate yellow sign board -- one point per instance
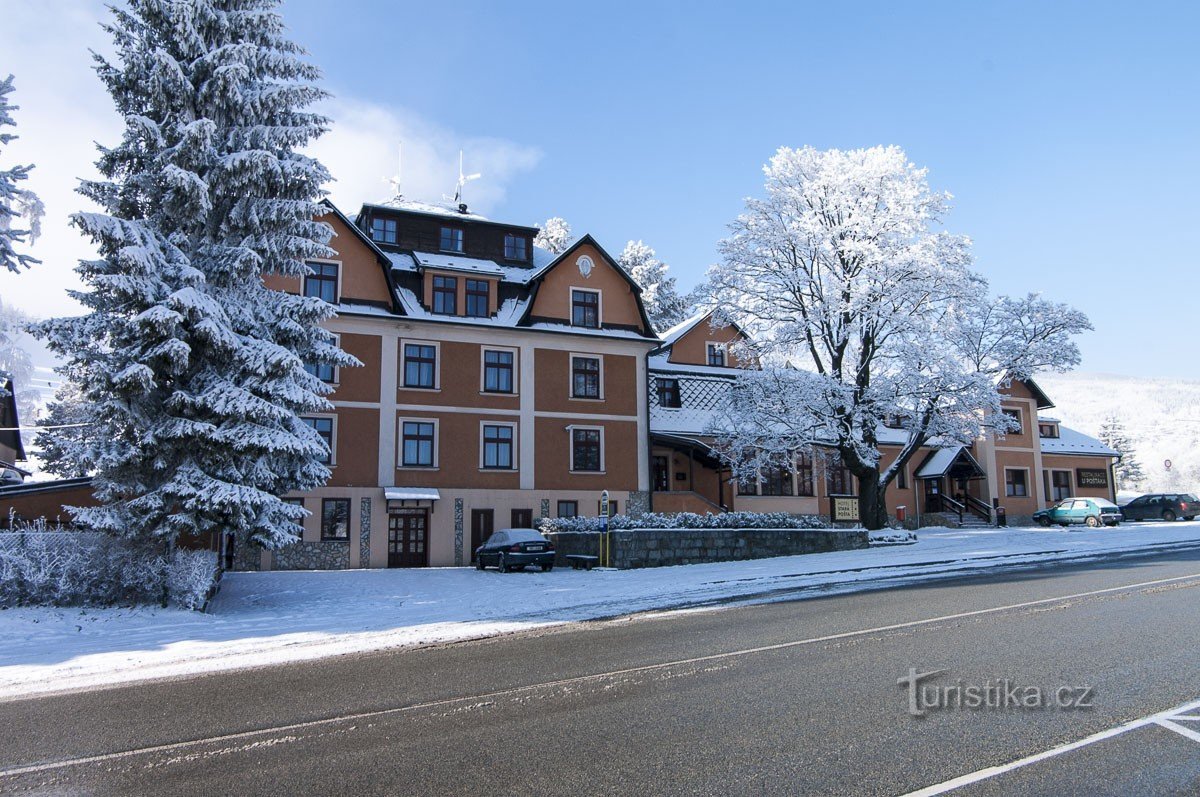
(845, 509)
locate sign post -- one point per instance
(605, 540)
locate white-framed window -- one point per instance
(587, 308)
(1047, 430)
(419, 364)
(1015, 414)
(1016, 482)
(717, 354)
(497, 445)
(418, 442)
(587, 377)
(325, 426)
(330, 374)
(498, 370)
(586, 448)
(324, 280)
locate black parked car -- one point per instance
(1162, 506)
(512, 549)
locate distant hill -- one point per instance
(1161, 418)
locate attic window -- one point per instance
(451, 239)
(1048, 430)
(716, 354)
(516, 247)
(383, 230)
(668, 393)
(585, 308)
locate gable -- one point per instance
(361, 277)
(620, 306)
(691, 348)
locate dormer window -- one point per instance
(1048, 430)
(585, 308)
(477, 298)
(668, 393)
(516, 247)
(452, 239)
(383, 230)
(716, 354)
(445, 295)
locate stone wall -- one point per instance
(327, 555)
(662, 547)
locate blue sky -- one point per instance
(1066, 131)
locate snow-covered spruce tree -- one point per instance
(863, 313)
(16, 361)
(664, 305)
(192, 371)
(1128, 470)
(554, 236)
(15, 203)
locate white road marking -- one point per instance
(300, 726)
(1179, 729)
(1162, 719)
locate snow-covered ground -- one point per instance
(271, 618)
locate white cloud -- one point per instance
(64, 109)
(360, 151)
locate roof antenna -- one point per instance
(462, 182)
(395, 181)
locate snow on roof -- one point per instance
(659, 362)
(630, 334)
(411, 493)
(416, 261)
(507, 315)
(430, 208)
(1070, 441)
(1044, 419)
(683, 327)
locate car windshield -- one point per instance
(499, 536)
(523, 535)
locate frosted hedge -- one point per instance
(49, 568)
(688, 520)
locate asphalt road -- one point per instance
(796, 697)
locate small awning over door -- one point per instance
(411, 497)
(955, 462)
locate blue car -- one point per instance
(1094, 512)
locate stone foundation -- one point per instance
(663, 547)
(330, 555)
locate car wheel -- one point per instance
(1093, 521)
(479, 563)
(1189, 517)
(547, 568)
(1044, 522)
(501, 565)
(1169, 516)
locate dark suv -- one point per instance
(1162, 506)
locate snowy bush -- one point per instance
(688, 520)
(893, 537)
(60, 568)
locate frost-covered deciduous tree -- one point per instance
(864, 313)
(191, 372)
(15, 203)
(554, 236)
(16, 360)
(664, 305)
(1128, 470)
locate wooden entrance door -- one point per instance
(483, 522)
(522, 518)
(408, 538)
(933, 495)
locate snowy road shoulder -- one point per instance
(273, 618)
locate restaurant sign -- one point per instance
(1086, 477)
